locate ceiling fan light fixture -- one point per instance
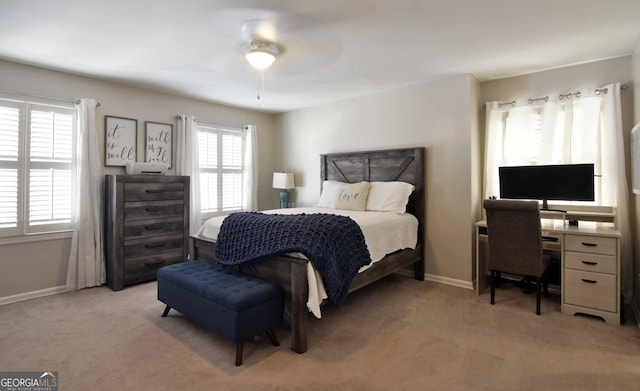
(261, 55)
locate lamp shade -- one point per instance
(283, 180)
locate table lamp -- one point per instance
(284, 182)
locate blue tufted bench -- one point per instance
(234, 305)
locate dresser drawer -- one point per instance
(152, 245)
(140, 191)
(153, 209)
(591, 244)
(592, 290)
(590, 262)
(146, 268)
(134, 229)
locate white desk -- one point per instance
(590, 266)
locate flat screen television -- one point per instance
(560, 182)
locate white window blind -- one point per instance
(36, 167)
(8, 198)
(9, 147)
(221, 156)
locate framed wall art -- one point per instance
(158, 140)
(121, 140)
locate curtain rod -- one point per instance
(217, 124)
(75, 101)
(568, 95)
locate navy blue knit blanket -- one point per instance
(334, 244)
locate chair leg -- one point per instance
(239, 348)
(545, 283)
(166, 311)
(272, 337)
(538, 286)
(493, 287)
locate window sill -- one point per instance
(40, 237)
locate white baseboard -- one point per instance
(32, 295)
(449, 281)
(440, 279)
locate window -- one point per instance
(553, 133)
(221, 157)
(36, 167)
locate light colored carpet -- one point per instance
(398, 334)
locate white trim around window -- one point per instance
(37, 163)
(221, 154)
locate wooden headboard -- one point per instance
(406, 165)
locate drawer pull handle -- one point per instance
(153, 209)
(589, 244)
(155, 263)
(155, 226)
(154, 191)
(590, 263)
(152, 245)
(589, 281)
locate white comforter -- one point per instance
(384, 233)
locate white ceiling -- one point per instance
(333, 49)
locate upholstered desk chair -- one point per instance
(515, 243)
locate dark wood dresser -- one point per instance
(146, 226)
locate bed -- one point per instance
(405, 165)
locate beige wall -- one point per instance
(435, 115)
(37, 266)
(477, 152)
(572, 78)
(635, 199)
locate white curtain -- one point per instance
(615, 189)
(493, 149)
(250, 174)
(188, 164)
(86, 260)
(586, 128)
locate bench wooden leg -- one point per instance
(272, 337)
(239, 348)
(166, 311)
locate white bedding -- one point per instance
(384, 233)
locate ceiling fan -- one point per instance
(260, 47)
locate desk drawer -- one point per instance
(591, 244)
(592, 290)
(590, 262)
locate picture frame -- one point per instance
(120, 140)
(158, 140)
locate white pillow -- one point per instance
(341, 195)
(330, 190)
(389, 196)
